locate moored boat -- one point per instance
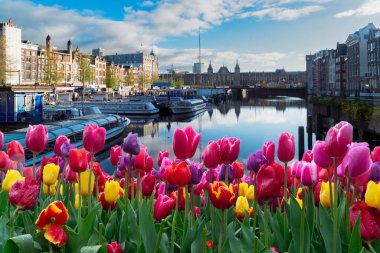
(187, 106)
(128, 107)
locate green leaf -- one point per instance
(111, 227)
(356, 240)
(148, 233)
(4, 232)
(327, 230)
(28, 223)
(233, 241)
(21, 244)
(87, 226)
(73, 240)
(3, 200)
(93, 249)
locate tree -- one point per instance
(52, 73)
(111, 81)
(129, 79)
(86, 73)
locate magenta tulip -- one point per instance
(185, 142)
(115, 153)
(320, 155)
(211, 155)
(16, 151)
(163, 207)
(229, 149)
(375, 155)
(338, 138)
(4, 159)
(308, 156)
(1, 140)
(36, 138)
(357, 160)
(309, 174)
(23, 195)
(161, 155)
(58, 143)
(268, 149)
(147, 183)
(94, 138)
(286, 147)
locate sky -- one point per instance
(262, 35)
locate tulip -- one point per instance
(102, 200)
(375, 154)
(211, 155)
(298, 197)
(316, 192)
(140, 159)
(50, 174)
(320, 155)
(36, 138)
(131, 144)
(269, 181)
(4, 159)
(307, 156)
(58, 143)
(51, 190)
(255, 160)
(111, 191)
(16, 151)
(65, 149)
(196, 173)
(238, 168)
(163, 206)
(242, 207)
(309, 174)
(222, 168)
(161, 155)
(375, 171)
(51, 219)
(10, 179)
(229, 149)
(185, 142)
(148, 183)
(1, 140)
(357, 160)
(148, 164)
(27, 172)
(369, 220)
(70, 176)
(248, 192)
(324, 195)
(268, 150)
(178, 174)
(23, 195)
(372, 198)
(114, 247)
(76, 204)
(221, 196)
(115, 153)
(85, 178)
(94, 138)
(286, 147)
(78, 160)
(337, 139)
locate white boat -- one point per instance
(127, 108)
(187, 106)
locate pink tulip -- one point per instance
(27, 172)
(94, 138)
(163, 207)
(320, 155)
(268, 149)
(375, 155)
(211, 155)
(1, 140)
(115, 153)
(58, 143)
(148, 164)
(286, 147)
(307, 156)
(296, 168)
(161, 188)
(147, 183)
(357, 160)
(70, 175)
(362, 179)
(36, 138)
(309, 174)
(338, 138)
(229, 149)
(4, 159)
(161, 155)
(185, 142)
(16, 151)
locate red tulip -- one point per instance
(161, 155)
(178, 174)
(27, 172)
(229, 149)
(182, 200)
(115, 152)
(185, 142)
(308, 156)
(147, 184)
(286, 147)
(23, 195)
(270, 178)
(221, 196)
(140, 159)
(70, 176)
(337, 139)
(163, 207)
(36, 138)
(94, 138)
(114, 247)
(130, 187)
(268, 150)
(16, 151)
(357, 160)
(211, 155)
(105, 204)
(4, 159)
(320, 155)
(239, 169)
(1, 140)
(369, 220)
(58, 143)
(375, 155)
(148, 164)
(78, 160)
(316, 192)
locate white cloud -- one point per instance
(147, 4)
(278, 13)
(369, 7)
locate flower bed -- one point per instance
(328, 202)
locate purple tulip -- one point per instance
(222, 172)
(255, 160)
(320, 155)
(65, 149)
(357, 160)
(61, 164)
(196, 173)
(131, 144)
(156, 174)
(375, 172)
(123, 162)
(118, 173)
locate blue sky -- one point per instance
(260, 34)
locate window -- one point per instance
(27, 52)
(33, 53)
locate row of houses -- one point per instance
(351, 68)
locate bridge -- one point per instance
(264, 92)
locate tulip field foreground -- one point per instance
(328, 202)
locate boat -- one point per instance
(187, 106)
(183, 117)
(72, 129)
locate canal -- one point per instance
(255, 120)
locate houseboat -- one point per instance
(187, 106)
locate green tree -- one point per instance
(86, 73)
(53, 71)
(129, 79)
(111, 81)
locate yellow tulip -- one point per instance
(248, 192)
(10, 178)
(243, 189)
(50, 174)
(242, 206)
(324, 194)
(111, 191)
(372, 197)
(85, 177)
(299, 201)
(53, 189)
(76, 204)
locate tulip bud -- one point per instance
(161, 155)
(357, 160)
(147, 184)
(16, 151)
(369, 220)
(309, 174)
(221, 196)
(307, 156)
(85, 177)
(23, 195)
(10, 178)
(163, 206)
(78, 160)
(338, 138)
(50, 174)
(131, 144)
(65, 149)
(324, 195)
(94, 138)
(178, 174)
(286, 147)
(111, 191)
(114, 247)
(115, 153)
(58, 144)
(320, 155)
(242, 207)
(211, 155)
(375, 155)
(255, 160)
(268, 150)
(375, 171)
(372, 197)
(36, 138)
(229, 149)
(185, 142)
(4, 159)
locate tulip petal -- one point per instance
(55, 234)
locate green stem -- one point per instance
(12, 223)
(132, 189)
(139, 189)
(192, 212)
(79, 202)
(331, 192)
(186, 213)
(254, 214)
(34, 165)
(174, 222)
(50, 248)
(371, 247)
(302, 226)
(285, 202)
(157, 246)
(126, 183)
(100, 234)
(48, 191)
(60, 181)
(222, 231)
(347, 207)
(336, 224)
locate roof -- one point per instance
(162, 84)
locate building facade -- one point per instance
(309, 73)
(373, 49)
(340, 69)
(29, 62)
(99, 69)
